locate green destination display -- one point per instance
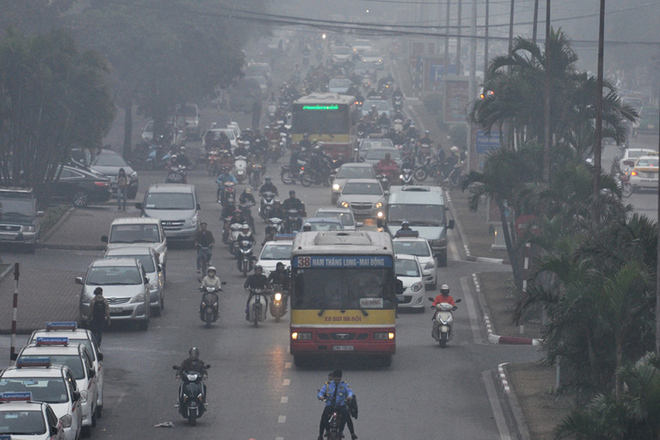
(320, 107)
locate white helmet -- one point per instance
(211, 268)
(454, 149)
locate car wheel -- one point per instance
(132, 194)
(442, 259)
(155, 311)
(143, 325)
(80, 199)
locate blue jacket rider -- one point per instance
(336, 401)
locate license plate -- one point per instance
(116, 310)
(343, 348)
(7, 237)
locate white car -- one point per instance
(70, 330)
(229, 131)
(644, 174)
(420, 248)
(276, 251)
(347, 171)
(19, 414)
(344, 215)
(365, 197)
(79, 361)
(53, 384)
(630, 156)
(409, 272)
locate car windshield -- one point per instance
(647, 162)
(276, 252)
(345, 83)
(16, 207)
(109, 160)
(169, 201)
(145, 259)
(362, 188)
(326, 225)
(378, 154)
(417, 248)
(345, 218)
(134, 234)
(417, 215)
(355, 173)
(113, 276)
(22, 422)
(381, 106)
(73, 361)
(637, 153)
(43, 389)
(406, 268)
(376, 143)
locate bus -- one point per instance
(328, 117)
(343, 295)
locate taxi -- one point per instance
(53, 384)
(419, 247)
(69, 329)
(276, 251)
(79, 361)
(23, 419)
(644, 175)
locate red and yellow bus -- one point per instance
(328, 117)
(343, 295)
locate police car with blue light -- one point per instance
(21, 418)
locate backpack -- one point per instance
(353, 407)
(98, 311)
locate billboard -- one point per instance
(456, 99)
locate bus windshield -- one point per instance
(319, 120)
(343, 289)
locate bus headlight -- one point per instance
(383, 336)
(302, 336)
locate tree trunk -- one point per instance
(512, 250)
(127, 150)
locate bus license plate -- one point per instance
(343, 348)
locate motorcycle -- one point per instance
(333, 430)
(272, 110)
(212, 162)
(443, 321)
(428, 168)
(276, 223)
(293, 221)
(206, 257)
(176, 174)
(278, 303)
(311, 176)
(290, 177)
(406, 175)
(453, 180)
(234, 232)
(266, 207)
(275, 149)
(255, 175)
(257, 307)
(244, 257)
(625, 185)
(240, 168)
(192, 395)
(246, 210)
(225, 192)
(424, 151)
(208, 308)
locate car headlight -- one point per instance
(380, 214)
(416, 287)
(344, 204)
(27, 228)
(378, 205)
(139, 298)
(193, 221)
(336, 187)
(430, 265)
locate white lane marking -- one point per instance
(121, 397)
(284, 399)
(498, 414)
(281, 419)
(469, 301)
(286, 382)
(279, 438)
(287, 365)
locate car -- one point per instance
(276, 251)
(409, 272)
(382, 106)
(365, 197)
(258, 69)
(349, 171)
(263, 84)
(52, 384)
(76, 335)
(19, 414)
(361, 46)
(364, 68)
(368, 143)
(644, 175)
(177, 207)
(191, 120)
(344, 215)
(339, 85)
(125, 286)
(341, 53)
(108, 163)
(648, 120)
(630, 156)
(234, 126)
(149, 259)
(230, 132)
(79, 361)
(148, 132)
(373, 57)
(135, 231)
(420, 248)
(81, 187)
(376, 154)
(19, 217)
(324, 224)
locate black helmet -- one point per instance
(279, 265)
(194, 353)
(405, 223)
(267, 179)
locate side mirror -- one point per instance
(199, 207)
(175, 367)
(359, 224)
(430, 299)
(160, 267)
(104, 238)
(100, 355)
(451, 223)
(458, 300)
(146, 280)
(92, 374)
(207, 366)
(138, 205)
(76, 396)
(79, 280)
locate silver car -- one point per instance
(350, 171)
(176, 205)
(365, 197)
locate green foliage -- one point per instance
(33, 16)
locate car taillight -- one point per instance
(101, 183)
(633, 173)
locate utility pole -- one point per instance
(599, 113)
(447, 38)
(511, 26)
(546, 103)
(486, 38)
(536, 20)
(459, 70)
(657, 271)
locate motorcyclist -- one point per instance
(426, 139)
(383, 120)
(292, 202)
(228, 208)
(339, 162)
(307, 227)
(277, 210)
(305, 142)
(203, 239)
(225, 143)
(444, 296)
(245, 234)
(247, 197)
(405, 230)
(222, 179)
(451, 161)
(192, 363)
(336, 394)
(279, 276)
(255, 281)
(237, 217)
(320, 161)
(294, 167)
(387, 166)
(242, 149)
(270, 234)
(268, 186)
(183, 159)
(210, 280)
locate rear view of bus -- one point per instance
(343, 295)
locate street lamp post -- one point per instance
(599, 115)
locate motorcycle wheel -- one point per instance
(627, 190)
(286, 177)
(420, 175)
(307, 180)
(255, 317)
(208, 319)
(192, 419)
(443, 340)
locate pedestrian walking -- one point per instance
(122, 188)
(99, 314)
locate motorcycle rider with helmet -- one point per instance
(320, 162)
(222, 179)
(203, 238)
(444, 296)
(292, 202)
(268, 186)
(247, 197)
(193, 363)
(280, 276)
(242, 149)
(255, 281)
(336, 394)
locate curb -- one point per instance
(512, 403)
(56, 226)
(6, 272)
(497, 339)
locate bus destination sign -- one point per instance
(320, 107)
(334, 261)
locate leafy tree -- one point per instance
(33, 16)
(52, 97)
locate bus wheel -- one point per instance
(299, 360)
(385, 360)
